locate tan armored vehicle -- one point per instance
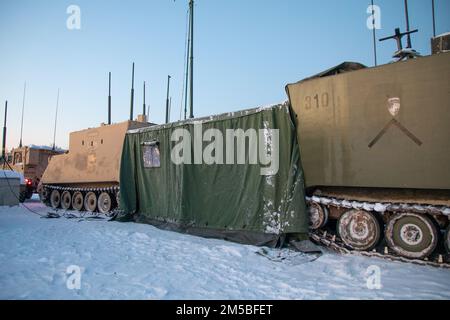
(87, 177)
(31, 161)
(375, 147)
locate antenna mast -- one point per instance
(374, 35)
(23, 110)
(191, 59)
(186, 81)
(4, 134)
(109, 100)
(143, 112)
(132, 94)
(56, 119)
(401, 54)
(167, 99)
(434, 20)
(408, 45)
(170, 106)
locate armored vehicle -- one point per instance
(375, 150)
(87, 177)
(31, 161)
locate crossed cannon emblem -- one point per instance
(394, 108)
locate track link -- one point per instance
(105, 189)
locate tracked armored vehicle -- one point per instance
(375, 149)
(87, 177)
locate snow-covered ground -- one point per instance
(136, 261)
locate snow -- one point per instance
(9, 174)
(381, 207)
(137, 261)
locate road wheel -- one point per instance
(66, 200)
(90, 201)
(318, 216)
(359, 229)
(55, 199)
(104, 203)
(43, 194)
(411, 235)
(447, 239)
(77, 201)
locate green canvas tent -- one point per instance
(235, 176)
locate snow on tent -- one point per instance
(192, 177)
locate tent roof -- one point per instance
(218, 117)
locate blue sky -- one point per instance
(246, 51)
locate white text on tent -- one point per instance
(262, 146)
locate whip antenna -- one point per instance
(23, 110)
(56, 119)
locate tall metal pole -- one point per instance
(407, 24)
(191, 57)
(434, 20)
(4, 133)
(186, 82)
(23, 110)
(170, 107)
(143, 111)
(374, 35)
(132, 94)
(109, 100)
(167, 99)
(56, 119)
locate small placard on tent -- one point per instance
(151, 154)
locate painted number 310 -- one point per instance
(317, 101)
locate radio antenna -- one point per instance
(143, 106)
(56, 119)
(109, 100)
(434, 19)
(191, 60)
(374, 35)
(167, 99)
(4, 134)
(408, 45)
(23, 110)
(132, 94)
